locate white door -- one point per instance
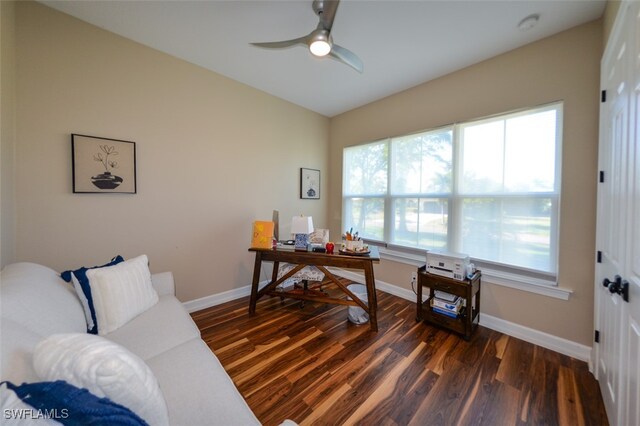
(630, 412)
(611, 214)
(617, 313)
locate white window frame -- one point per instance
(540, 282)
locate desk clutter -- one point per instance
(262, 234)
(353, 244)
(304, 237)
(265, 235)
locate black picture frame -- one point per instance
(309, 184)
(103, 165)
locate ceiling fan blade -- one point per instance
(282, 44)
(346, 56)
(329, 8)
(326, 11)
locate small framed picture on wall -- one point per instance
(309, 184)
(102, 165)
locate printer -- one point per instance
(448, 264)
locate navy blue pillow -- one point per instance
(74, 406)
(81, 276)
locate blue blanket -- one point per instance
(73, 406)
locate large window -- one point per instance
(489, 188)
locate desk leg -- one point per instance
(276, 269)
(372, 298)
(274, 277)
(419, 300)
(254, 283)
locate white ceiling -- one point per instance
(402, 43)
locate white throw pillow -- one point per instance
(83, 300)
(121, 292)
(105, 369)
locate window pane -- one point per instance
(366, 216)
(422, 164)
(515, 231)
(407, 164)
(530, 153)
(497, 177)
(365, 169)
(421, 222)
(437, 162)
(482, 158)
(516, 154)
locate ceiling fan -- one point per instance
(319, 41)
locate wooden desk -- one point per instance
(320, 261)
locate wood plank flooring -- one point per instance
(314, 367)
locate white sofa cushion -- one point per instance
(163, 283)
(121, 292)
(16, 349)
(36, 297)
(192, 368)
(106, 369)
(163, 326)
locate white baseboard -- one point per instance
(540, 338)
(219, 298)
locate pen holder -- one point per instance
(353, 245)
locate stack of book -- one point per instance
(446, 304)
(284, 245)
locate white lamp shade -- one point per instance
(301, 225)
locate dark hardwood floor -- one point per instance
(312, 366)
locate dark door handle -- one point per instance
(619, 286)
(622, 289)
(616, 280)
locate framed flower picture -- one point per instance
(309, 184)
(102, 165)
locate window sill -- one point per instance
(505, 279)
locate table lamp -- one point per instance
(301, 226)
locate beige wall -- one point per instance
(563, 67)
(213, 155)
(7, 132)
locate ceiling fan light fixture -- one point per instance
(320, 48)
(320, 45)
(319, 41)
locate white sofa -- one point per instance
(36, 303)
